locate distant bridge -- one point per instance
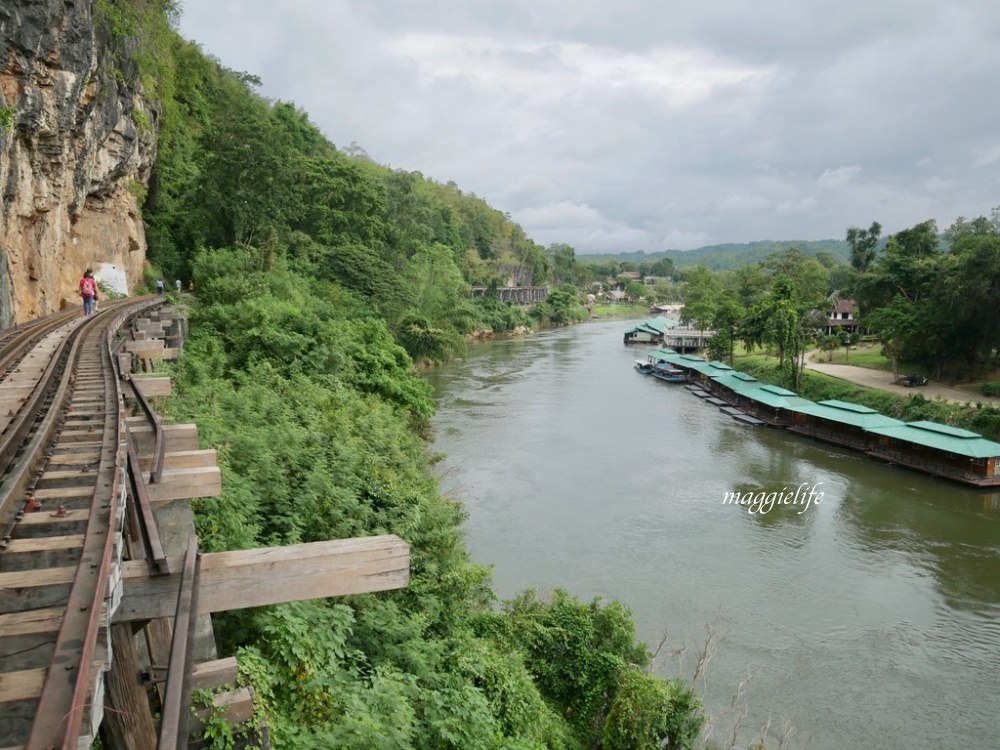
(519, 295)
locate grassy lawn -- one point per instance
(870, 356)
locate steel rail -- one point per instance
(160, 445)
(18, 340)
(177, 694)
(144, 512)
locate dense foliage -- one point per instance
(235, 170)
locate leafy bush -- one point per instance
(990, 389)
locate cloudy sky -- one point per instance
(620, 125)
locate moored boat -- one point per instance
(669, 373)
(644, 367)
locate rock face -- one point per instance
(72, 158)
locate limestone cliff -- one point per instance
(72, 158)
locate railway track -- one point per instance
(63, 454)
(98, 614)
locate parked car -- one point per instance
(911, 381)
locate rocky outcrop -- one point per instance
(72, 158)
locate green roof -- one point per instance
(845, 413)
(736, 381)
(691, 358)
(656, 325)
(707, 368)
(942, 437)
(665, 355)
(772, 395)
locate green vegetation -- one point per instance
(725, 257)
(8, 116)
(938, 307)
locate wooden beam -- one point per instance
(236, 706)
(271, 575)
(31, 622)
(23, 685)
(205, 481)
(177, 460)
(214, 674)
(144, 347)
(179, 437)
(150, 387)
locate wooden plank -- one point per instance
(21, 686)
(56, 493)
(177, 460)
(271, 575)
(34, 589)
(184, 484)
(31, 622)
(45, 543)
(210, 675)
(236, 706)
(150, 387)
(33, 520)
(178, 437)
(144, 347)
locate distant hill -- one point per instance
(731, 255)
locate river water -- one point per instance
(870, 620)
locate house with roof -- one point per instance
(724, 384)
(837, 422)
(649, 331)
(771, 403)
(841, 315)
(939, 449)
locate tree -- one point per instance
(635, 290)
(726, 324)
(847, 340)
(844, 340)
(864, 245)
(896, 325)
(562, 259)
(700, 293)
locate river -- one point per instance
(869, 620)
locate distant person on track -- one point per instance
(88, 291)
(159, 286)
(178, 284)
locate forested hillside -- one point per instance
(318, 277)
(729, 256)
(235, 170)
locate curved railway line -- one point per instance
(63, 453)
(102, 587)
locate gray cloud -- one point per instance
(648, 125)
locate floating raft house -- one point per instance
(937, 449)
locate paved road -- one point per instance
(882, 379)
